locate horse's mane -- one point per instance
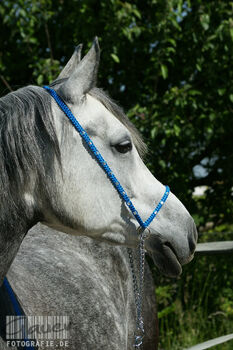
(26, 128)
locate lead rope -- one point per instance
(138, 288)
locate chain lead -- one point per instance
(138, 287)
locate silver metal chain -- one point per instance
(138, 287)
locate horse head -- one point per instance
(86, 203)
(48, 174)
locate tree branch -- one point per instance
(6, 83)
(49, 41)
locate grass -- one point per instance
(197, 306)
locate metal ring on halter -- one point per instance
(145, 232)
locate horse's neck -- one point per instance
(15, 221)
(11, 237)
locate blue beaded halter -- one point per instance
(105, 166)
(138, 288)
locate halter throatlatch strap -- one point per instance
(138, 288)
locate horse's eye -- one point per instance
(124, 147)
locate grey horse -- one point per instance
(57, 274)
(47, 174)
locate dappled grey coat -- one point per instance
(58, 274)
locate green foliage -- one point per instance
(169, 63)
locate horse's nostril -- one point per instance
(192, 238)
(195, 233)
(192, 242)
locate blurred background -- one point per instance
(169, 63)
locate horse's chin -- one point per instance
(167, 262)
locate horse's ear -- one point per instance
(83, 78)
(72, 63)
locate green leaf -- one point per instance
(33, 40)
(221, 92)
(166, 311)
(115, 58)
(23, 13)
(198, 67)
(153, 132)
(177, 130)
(194, 92)
(231, 97)
(137, 13)
(164, 71)
(231, 33)
(212, 117)
(172, 41)
(162, 163)
(205, 20)
(40, 79)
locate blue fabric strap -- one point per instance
(14, 301)
(16, 306)
(104, 164)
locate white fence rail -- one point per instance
(213, 342)
(214, 247)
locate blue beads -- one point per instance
(104, 164)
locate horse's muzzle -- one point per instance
(168, 255)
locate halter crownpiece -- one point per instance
(138, 287)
